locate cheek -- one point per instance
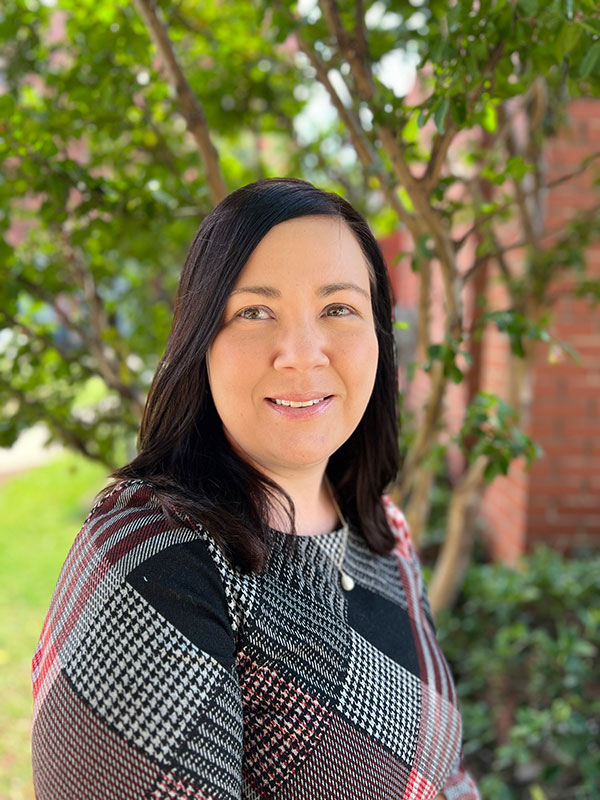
(220, 372)
(360, 358)
(232, 366)
(371, 361)
(363, 353)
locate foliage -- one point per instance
(489, 425)
(115, 115)
(524, 645)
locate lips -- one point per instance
(300, 407)
(298, 403)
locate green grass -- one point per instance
(41, 511)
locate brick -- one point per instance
(573, 503)
(586, 109)
(572, 200)
(552, 407)
(549, 375)
(582, 429)
(567, 154)
(558, 500)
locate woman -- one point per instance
(242, 614)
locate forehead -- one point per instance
(308, 248)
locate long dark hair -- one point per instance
(183, 451)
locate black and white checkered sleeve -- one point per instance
(148, 704)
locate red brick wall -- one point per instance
(504, 507)
(558, 501)
(564, 508)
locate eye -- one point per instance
(253, 312)
(339, 310)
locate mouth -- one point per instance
(298, 403)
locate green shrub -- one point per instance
(524, 649)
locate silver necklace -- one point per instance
(346, 580)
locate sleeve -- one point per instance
(143, 700)
(458, 785)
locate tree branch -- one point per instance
(499, 257)
(437, 159)
(191, 109)
(431, 218)
(108, 369)
(521, 196)
(456, 550)
(52, 302)
(360, 34)
(590, 215)
(459, 243)
(424, 307)
(354, 51)
(426, 433)
(287, 123)
(442, 141)
(416, 508)
(570, 175)
(69, 437)
(46, 340)
(361, 144)
(521, 101)
(109, 366)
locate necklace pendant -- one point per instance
(347, 582)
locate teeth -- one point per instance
(295, 404)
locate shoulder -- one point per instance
(158, 551)
(129, 525)
(133, 560)
(125, 496)
(398, 526)
(406, 553)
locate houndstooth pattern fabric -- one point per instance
(363, 703)
(163, 672)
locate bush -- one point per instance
(524, 649)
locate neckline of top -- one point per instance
(309, 536)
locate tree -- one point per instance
(122, 123)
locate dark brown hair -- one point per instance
(183, 451)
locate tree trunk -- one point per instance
(455, 554)
(191, 109)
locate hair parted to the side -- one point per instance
(183, 451)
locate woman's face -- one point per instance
(293, 366)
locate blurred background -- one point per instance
(468, 134)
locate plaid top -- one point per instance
(163, 672)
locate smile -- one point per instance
(298, 403)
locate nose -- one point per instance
(301, 346)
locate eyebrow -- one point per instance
(331, 288)
(324, 291)
(265, 291)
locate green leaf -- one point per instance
(490, 118)
(568, 39)
(458, 111)
(455, 374)
(517, 167)
(528, 7)
(424, 114)
(591, 61)
(591, 24)
(439, 115)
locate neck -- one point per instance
(315, 511)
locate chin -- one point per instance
(294, 458)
